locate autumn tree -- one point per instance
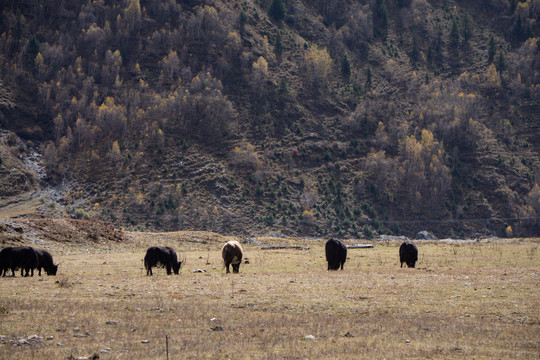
(259, 75)
(53, 166)
(358, 30)
(423, 173)
(382, 172)
(111, 118)
(492, 78)
(132, 15)
(170, 65)
(531, 208)
(318, 65)
(94, 38)
(206, 113)
(111, 67)
(207, 26)
(115, 154)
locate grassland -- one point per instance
(476, 300)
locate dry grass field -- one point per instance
(475, 300)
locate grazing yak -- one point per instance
(408, 253)
(45, 262)
(232, 255)
(161, 256)
(23, 257)
(5, 260)
(336, 254)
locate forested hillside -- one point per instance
(314, 118)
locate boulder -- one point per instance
(425, 235)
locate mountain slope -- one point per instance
(346, 118)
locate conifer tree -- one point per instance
(277, 10)
(32, 49)
(466, 29)
(454, 34)
(518, 32)
(380, 22)
(415, 52)
(243, 19)
(492, 48)
(278, 45)
(500, 62)
(345, 67)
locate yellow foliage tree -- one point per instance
(132, 15)
(493, 79)
(318, 65)
(116, 154)
(259, 74)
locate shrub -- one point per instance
(80, 214)
(368, 233)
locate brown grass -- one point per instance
(477, 300)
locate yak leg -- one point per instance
(148, 268)
(227, 266)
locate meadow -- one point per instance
(476, 300)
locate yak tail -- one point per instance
(145, 265)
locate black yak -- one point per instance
(23, 257)
(5, 260)
(232, 255)
(161, 256)
(336, 254)
(46, 263)
(408, 253)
